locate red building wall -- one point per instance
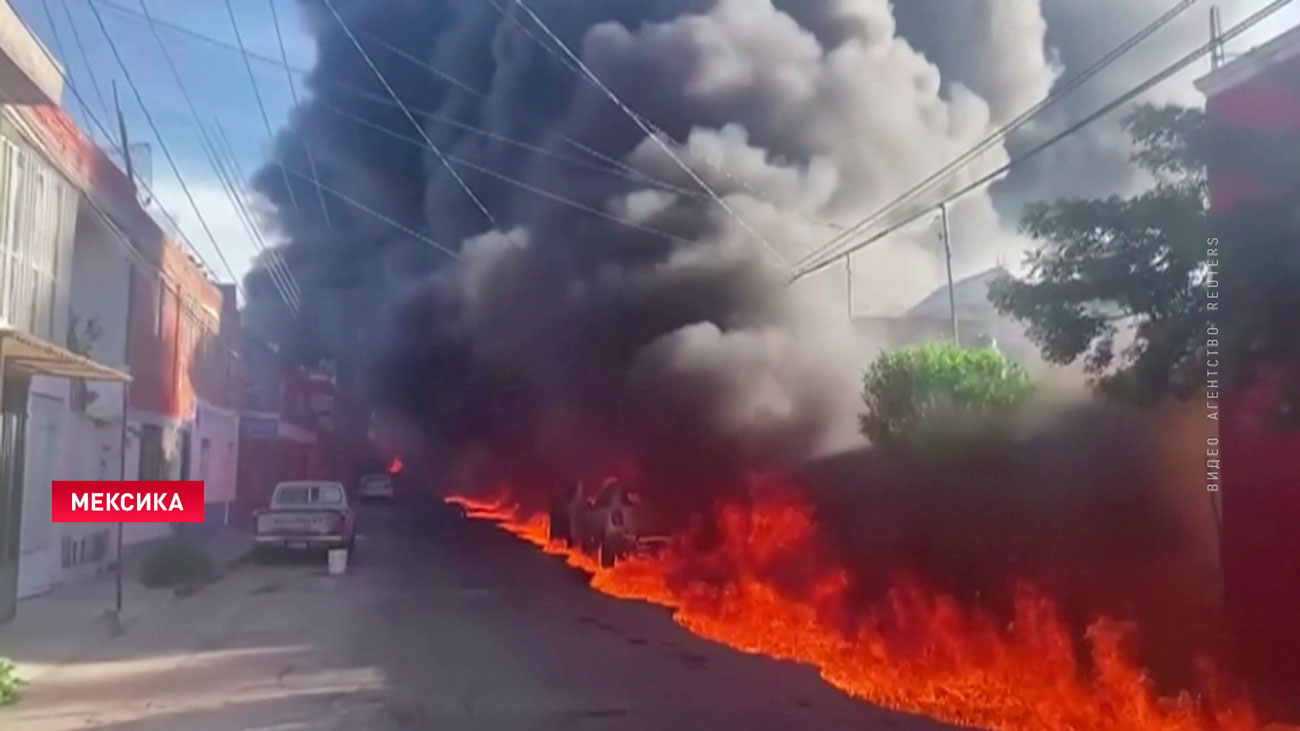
(178, 350)
(177, 354)
(1260, 463)
(1261, 108)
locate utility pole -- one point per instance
(1217, 56)
(848, 272)
(126, 386)
(947, 252)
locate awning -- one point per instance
(27, 352)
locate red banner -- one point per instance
(127, 502)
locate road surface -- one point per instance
(449, 624)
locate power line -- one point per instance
(391, 222)
(277, 268)
(613, 97)
(287, 294)
(232, 162)
(407, 112)
(1000, 135)
(134, 255)
(63, 51)
(166, 151)
(718, 169)
(618, 167)
(519, 183)
(293, 94)
(85, 59)
(226, 173)
(261, 107)
(630, 172)
(70, 86)
(249, 54)
(1123, 99)
(565, 201)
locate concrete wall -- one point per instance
(29, 73)
(218, 429)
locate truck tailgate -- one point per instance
(298, 522)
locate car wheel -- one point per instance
(608, 555)
(560, 531)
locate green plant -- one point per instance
(175, 561)
(11, 686)
(910, 391)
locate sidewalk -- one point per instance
(75, 619)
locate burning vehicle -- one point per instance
(613, 523)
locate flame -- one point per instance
(914, 651)
(395, 467)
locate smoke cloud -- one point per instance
(603, 310)
(603, 307)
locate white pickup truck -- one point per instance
(306, 515)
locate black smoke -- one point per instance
(584, 301)
(636, 321)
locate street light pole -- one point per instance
(947, 252)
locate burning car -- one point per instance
(617, 521)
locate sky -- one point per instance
(219, 84)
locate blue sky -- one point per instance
(219, 83)
(215, 77)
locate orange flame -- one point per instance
(915, 651)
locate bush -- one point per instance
(912, 392)
(175, 561)
(11, 686)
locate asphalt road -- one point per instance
(440, 624)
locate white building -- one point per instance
(46, 432)
(979, 324)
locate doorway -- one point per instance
(36, 544)
(13, 432)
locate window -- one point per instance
(158, 311)
(322, 494)
(205, 455)
(151, 453)
(38, 211)
(605, 497)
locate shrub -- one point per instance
(11, 686)
(911, 392)
(175, 561)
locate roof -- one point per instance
(27, 352)
(971, 294)
(1251, 64)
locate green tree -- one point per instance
(1122, 283)
(1124, 269)
(907, 390)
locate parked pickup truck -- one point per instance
(305, 515)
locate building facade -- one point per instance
(281, 434)
(46, 360)
(1253, 106)
(93, 288)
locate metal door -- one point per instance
(36, 554)
(13, 428)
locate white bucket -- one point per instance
(338, 561)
